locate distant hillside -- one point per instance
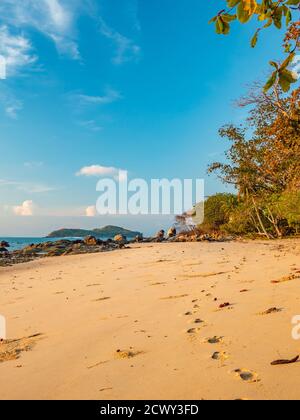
(105, 232)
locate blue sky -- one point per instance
(133, 84)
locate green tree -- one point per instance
(263, 162)
(269, 13)
(217, 211)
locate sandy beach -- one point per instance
(146, 323)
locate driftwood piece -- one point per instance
(285, 362)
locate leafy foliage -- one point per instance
(217, 211)
(264, 168)
(269, 13)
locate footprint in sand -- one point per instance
(173, 297)
(193, 331)
(247, 375)
(222, 356)
(271, 311)
(214, 340)
(12, 349)
(286, 279)
(127, 354)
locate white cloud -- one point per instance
(16, 51)
(91, 211)
(57, 19)
(119, 175)
(66, 46)
(98, 170)
(126, 49)
(25, 209)
(110, 97)
(61, 17)
(27, 187)
(53, 18)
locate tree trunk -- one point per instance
(274, 223)
(260, 220)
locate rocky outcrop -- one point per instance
(55, 249)
(171, 233)
(198, 237)
(120, 239)
(4, 244)
(93, 245)
(139, 238)
(90, 240)
(160, 236)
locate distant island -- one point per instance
(105, 232)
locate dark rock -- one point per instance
(160, 236)
(4, 244)
(171, 232)
(120, 239)
(90, 241)
(77, 242)
(56, 252)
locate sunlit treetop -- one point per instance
(280, 13)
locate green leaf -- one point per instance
(277, 18)
(222, 27)
(228, 18)
(288, 17)
(290, 76)
(288, 61)
(219, 25)
(274, 64)
(284, 84)
(226, 28)
(254, 39)
(293, 2)
(271, 81)
(286, 78)
(242, 14)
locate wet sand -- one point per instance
(156, 321)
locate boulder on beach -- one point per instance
(139, 238)
(4, 244)
(30, 249)
(121, 239)
(90, 241)
(3, 250)
(160, 236)
(171, 232)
